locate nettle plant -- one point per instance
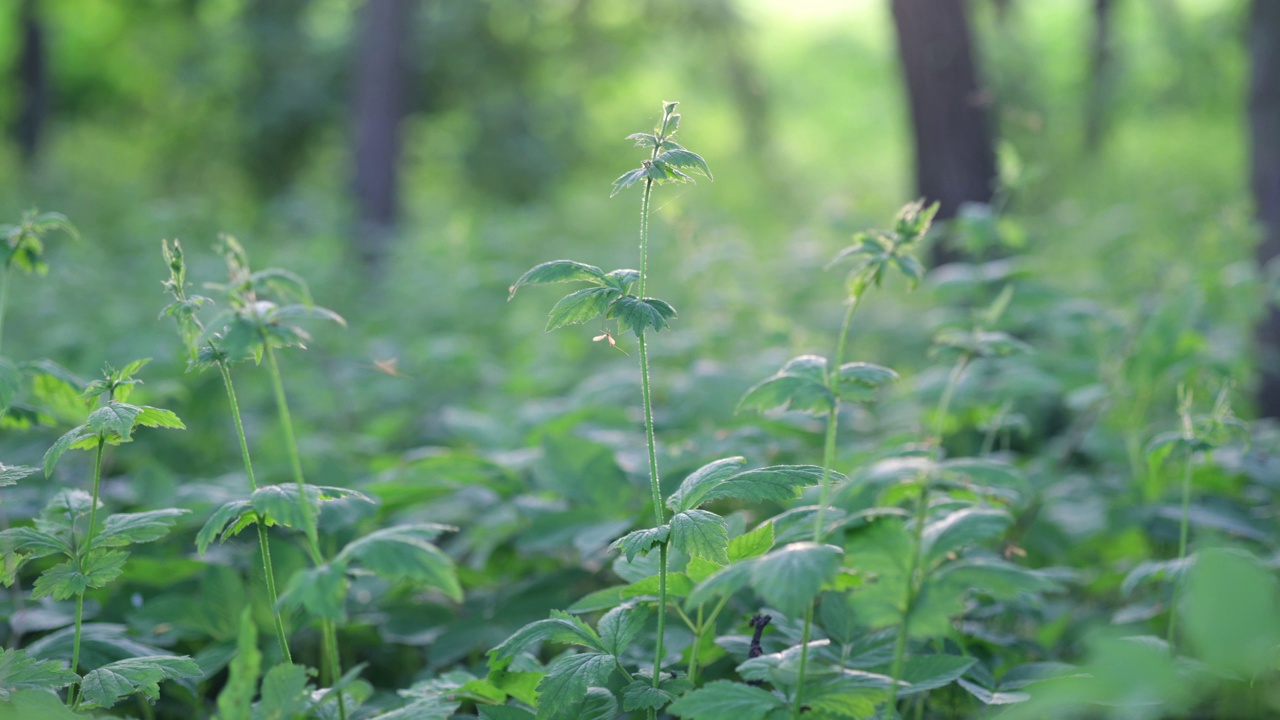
(94, 554)
(262, 308)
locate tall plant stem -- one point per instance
(922, 511)
(797, 703)
(80, 558)
(329, 631)
(263, 543)
(1182, 547)
(4, 299)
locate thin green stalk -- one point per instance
(697, 645)
(263, 543)
(797, 703)
(1182, 546)
(329, 631)
(917, 540)
(4, 298)
(88, 545)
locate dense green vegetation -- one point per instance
(813, 479)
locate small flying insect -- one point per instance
(606, 335)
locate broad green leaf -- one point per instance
(123, 529)
(678, 585)
(699, 569)
(694, 487)
(682, 158)
(605, 599)
(558, 271)
(636, 314)
(639, 542)
(560, 627)
(235, 702)
(642, 695)
(699, 533)
(836, 614)
(858, 381)
(724, 700)
(622, 279)
(63, 444)
(279, 503)
(790, 578)
(1173, 570)
(322, 591)
(800, 385)
(620, 626)
(989, 576)
(626, 180)
(114, 419)
(105, 686)
(436, 708)
(19, 672)
(405, 553)
(154, 417)
(217, 524)
(567, 680)
(65, 580)
(581, 306)
(599, 704)
(777, 483)
(286, 693)
(960, 529)
(727, 581)
(285, 313)
(929, 672)
(752, 544)
(985, 472)
(644, 139)
(34, 543)
(1229, 613)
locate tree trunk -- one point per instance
(1101, 76)
(33, 77)
(1264, 132)
(954, 159)
(379, 106)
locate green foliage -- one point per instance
(105, 686)
(19, 672)
(23, 245)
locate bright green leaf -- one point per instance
(703, 534)
(567, 680)
(790, 578)
(581, 306)
(639, 542)
(105, 686)
(404, 553)
(558, 271)
(19, 672)
(724, 700)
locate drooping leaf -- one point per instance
(581, 306)
(626, 180)
(123, 529)
(724, 700)
(790, 578)
(992, 697)
(34, 543)
(560, 627)
(63, 444)
(700, 533)
(218, 522)
(694, 487)
(558, 271)
(777, 483)
(65, 580)
(10, 474)
(990, 576)
(280, 504)
(800, 385)
(858, 381)
(154, 417)
(682, 158)
(105, 686)
(567, 680)
(641, 541)
(962, 528)
(405, 553)
(929, 672)
(19, 672)
(636, 314)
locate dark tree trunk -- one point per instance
(380, 91)
(33, 77)
(1101, 76)
(1264, 131)
(954, 159)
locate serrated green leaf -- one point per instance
(114, 419)
(642, 695)
(154, 417)
(34, 543)
(752, 544)
(636, 314)
(280, 504)
(694, 487)
(620, 626)
(66, 580)
(560, 627)
(322, 591)
(286, 693)
(63, 444)
(19, 672)
(858, 381)
(960, 529)
(776, 483)
(123, 529)
(581, 306)
(10, 474)
(105, 686)
(703, 534)
(800, 385)
(567, 679)
(405, 553)
(682, 158)
(558, 271)
(627, 179)
(639, 542)
(724, 700)
(930, 672)
(622, 279)
(790, 578)
(225, 516)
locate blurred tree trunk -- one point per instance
(33, 78)
(380, 90)
(954, 159)
(1101, 76)
(1264, 130)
